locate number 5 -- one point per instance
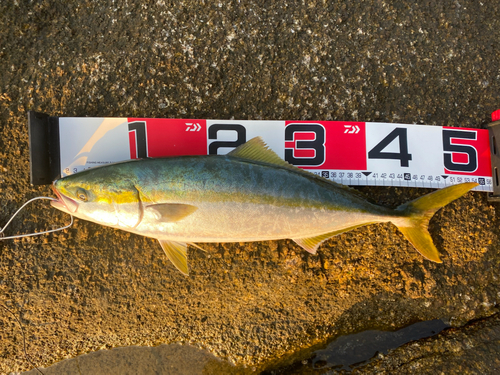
(449, 148)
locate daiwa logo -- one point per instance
(351, 129)
(193, 127)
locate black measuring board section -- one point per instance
(494, 133)
(45, 162)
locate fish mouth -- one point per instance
(63, 202)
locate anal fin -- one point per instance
(311, 244)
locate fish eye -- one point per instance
(82, 195)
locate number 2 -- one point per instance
(215, 128)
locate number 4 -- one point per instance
(403, 156)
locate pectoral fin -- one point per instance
(311, 244)
(177, 253)
(171, 212)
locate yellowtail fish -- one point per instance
(250, 194)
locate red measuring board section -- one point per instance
(466, 151)
(326, 144)
(166, 137)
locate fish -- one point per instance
(250, 194)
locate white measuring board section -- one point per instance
(350, 153)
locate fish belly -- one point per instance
(235, 222)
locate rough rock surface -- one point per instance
(470, 349)
(91, 287)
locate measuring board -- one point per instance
(350, 153)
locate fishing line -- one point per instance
(21, 236)
(24, 339)
(31, 234)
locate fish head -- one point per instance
(108, 201)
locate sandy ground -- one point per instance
(254, 305)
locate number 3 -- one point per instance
(317, 144)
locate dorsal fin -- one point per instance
(257, 150)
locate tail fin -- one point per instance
(419, 213)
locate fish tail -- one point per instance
(419, 212)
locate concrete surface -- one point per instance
(260, 305)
